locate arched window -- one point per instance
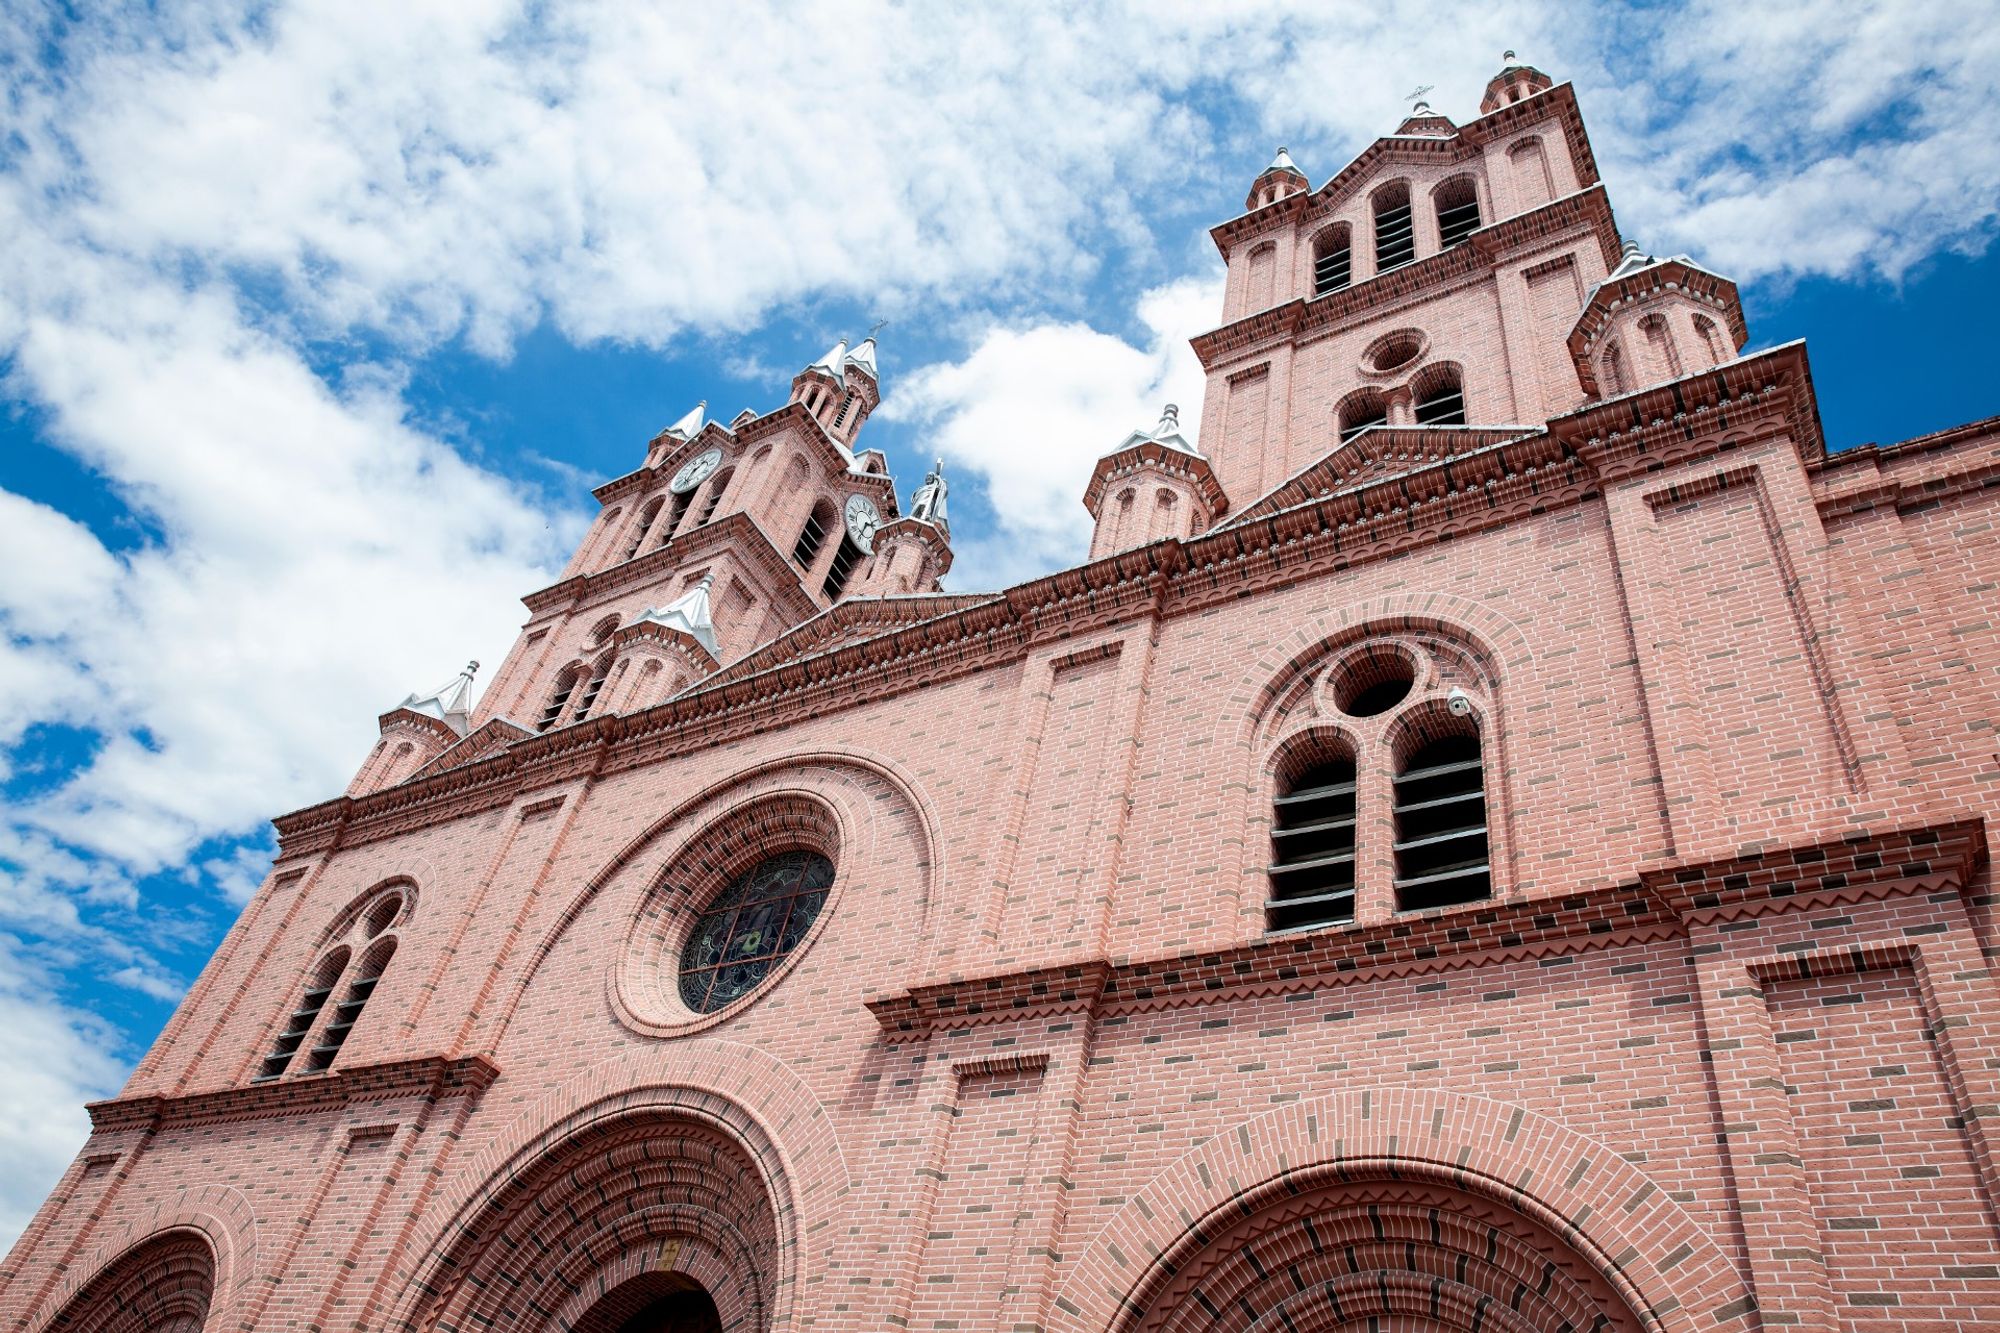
(846, 407)
(843, 564)
(559, 696)
(1261, 279)
(640, 524)
(1395, 234)
(1711, 339)
(1660, 349)
(675, 515)
(1614, 370)
(1441, 843)
(1457, 204)
(592, 688)
(324, 978)
(716, 487)
(1333, 259)
(1358, 413)
(1440, 397)
(348, 1012)
(1530, 164)
(812, 535)
(1312, 848)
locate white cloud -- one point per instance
(198, 188)
(55, 1059)
(1032, 408)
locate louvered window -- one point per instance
(811, 536)
(1360, 417)
(843, 564)
(1395, 232)
(674, 517)
(591, 689)
(1442, 404)
(715, 490)
(639, 527)
(348, 1012)
(325, 977)
(565, 686)
(1458, 211)
(1333, 263)
(1441, 842)
(1312, 850)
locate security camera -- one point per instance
(1459, 702)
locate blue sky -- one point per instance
(317, 321)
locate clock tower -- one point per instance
(725, 538)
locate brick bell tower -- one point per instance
(723, 539)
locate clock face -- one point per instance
(695, 471)
(862, 520)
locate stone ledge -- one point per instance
(432, 1076)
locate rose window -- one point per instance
(750, 926)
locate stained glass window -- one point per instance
(756, 921)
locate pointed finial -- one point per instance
(688, 426)
(471, 669)
(1170, 420)
(1507, 56)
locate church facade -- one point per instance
(1493, 839)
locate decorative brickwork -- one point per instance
(1638, 757)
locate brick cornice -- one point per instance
(428, 1076)
(735, 533)
(1121, 463)
(1562, 465)
(1659, 904)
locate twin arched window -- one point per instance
(1403, 759)
(319, 1029)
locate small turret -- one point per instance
(1424, 123)
(1152, 486)
(416, 731)
(912, 553)
(1653, 320)
(1280, 180)
(841, 389)
(1514, 82)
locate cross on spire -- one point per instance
(1417, 97)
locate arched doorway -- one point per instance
(164, 1285)
(654, 1303)
(648, 1221)
(1383, 1254)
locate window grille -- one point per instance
(674, 517)
(1360, 417)
(325, 977)
(1312, 850)
(1395, 233)
(715, 490)
(811, 536)
(1442, 404)
(1441, 842)
(1458, 212)
(565, 686)
(348, 1012)
(843, 564)
(639, 527)
(591, 689)
(1333, 266)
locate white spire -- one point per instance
(834, 362)
(1283, 162)
(688, 426)
(1167, 432)
(863, 358)
(690, 614)
(450, 703)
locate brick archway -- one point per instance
(1605, 1234)
(185, 1266)
(744, 1095)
